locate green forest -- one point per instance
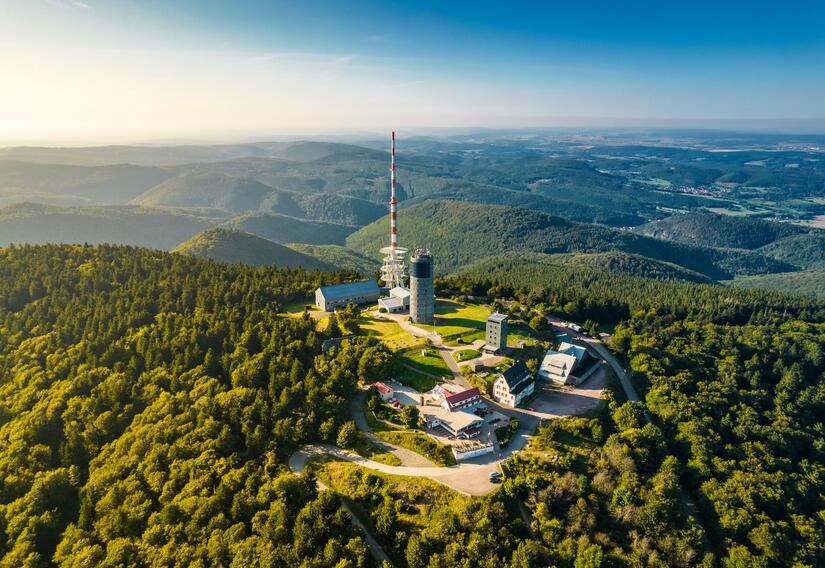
(149, 403)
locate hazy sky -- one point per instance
(131, 70)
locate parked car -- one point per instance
(495, 477)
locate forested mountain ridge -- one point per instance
(724, 231)
(207, 190)
(587, 292)
(630, 264)
(342, 257)
(233, 194)
(460, 233)
(806, 250)
(224, 245)
(147, 404)
(285, 229)
(113, 184)
(804, 283)
(128, 225)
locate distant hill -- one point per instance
(811, 284)
(228, 246)
(132, 225)
(342, 209)
(340, 257)
(213, 190)
(312, 151)
(141, 155)
(806, 251)
(284, 229)
(710, 229)
(460, 233)
(113, 185)
(631, 264)
(207, 190)
(168, 155)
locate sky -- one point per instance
(114, 71)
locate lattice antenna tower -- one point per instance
(394, 269)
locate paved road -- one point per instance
(469, 478)
(447, 354)
(407, 457)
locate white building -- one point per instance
(460, 424)
(397, 301)
(570, 365)
(385, 392)
(469, 449)
(514, 385)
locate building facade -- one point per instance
(464, 400)
(330, 298)
(422, 289)
(495, 336)
(514, 385)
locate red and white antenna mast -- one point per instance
(393, 200)
(394, 269)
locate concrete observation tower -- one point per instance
(393, 271)
(422, 290)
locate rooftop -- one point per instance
(459, 397)
(456, 420)
(399, 292)
(338, 291)
(576, 351)
(497, 317)
(391, 303)
(516, 374)
(382, 388)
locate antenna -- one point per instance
(393, 200)
(393, 272)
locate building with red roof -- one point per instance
(385, 392)
(462, 400)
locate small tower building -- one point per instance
(495, 338)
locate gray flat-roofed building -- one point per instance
(330, 298)
(495, 337)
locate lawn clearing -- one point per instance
(466, 355)
(420, 443)
(431, 363)
(366, 448)
(454, 320)
(416, 380)
(518, 334)
(387, 331)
